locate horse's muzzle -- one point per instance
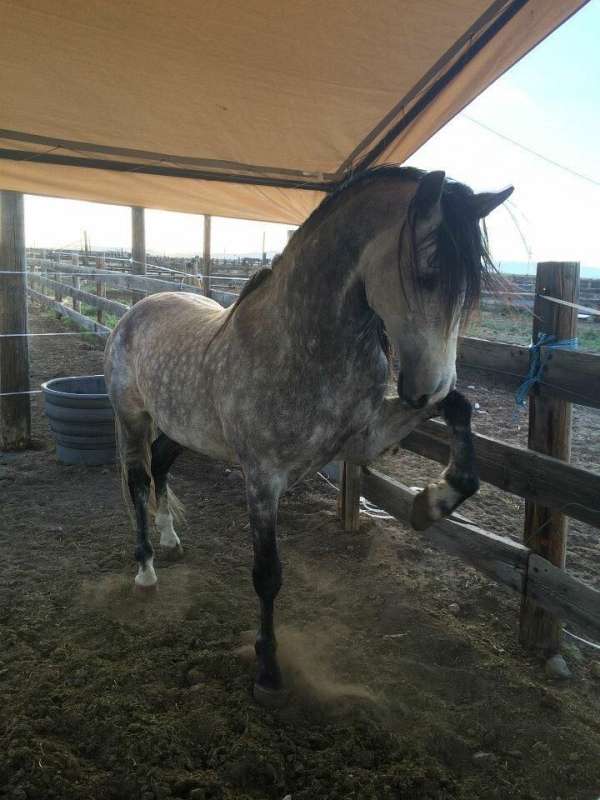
(414, 399)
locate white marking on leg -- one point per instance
(440, 496)
(146, 576)
(164, 524)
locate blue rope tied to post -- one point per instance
(535, 362)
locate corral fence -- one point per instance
(554, 489)
(519, 293)
(52, 281)
(558, 376)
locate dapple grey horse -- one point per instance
(294, 374)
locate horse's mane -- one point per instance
(322, 211)
(255, 280)
(461, 243)
(356, 181)
(461, 250)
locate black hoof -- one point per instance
(420, 515)
(270, 698)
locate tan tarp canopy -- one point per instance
(244, 108)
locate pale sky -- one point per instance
(549, 103)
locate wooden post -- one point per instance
(192, 267)
(138, 247)
(15, 411)
(549, 433)
(100, 290)
(57, 293)
(349, 497)
(76, 281)
(206, 259)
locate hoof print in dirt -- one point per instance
(270, 698)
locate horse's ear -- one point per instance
(485, 202)
(428, 193)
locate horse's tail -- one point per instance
(146, 458)
(176, 507)
(122, 454)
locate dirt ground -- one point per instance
(406, 678)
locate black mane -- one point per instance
(355, 181)
(461, 251)
(461, 242)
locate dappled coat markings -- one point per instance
(295, 373)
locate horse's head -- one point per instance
(423, 273)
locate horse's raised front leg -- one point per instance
(460, 479)
(263, 500)
(394, 422)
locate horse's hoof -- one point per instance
(420, 515)
(270, 698)
(172, 553)
(145, 590)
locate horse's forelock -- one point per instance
(460, 251)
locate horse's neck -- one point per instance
(321, 288)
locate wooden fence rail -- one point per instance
(498, 557)
(567, 374)
(79, 319)
(525, 473)
(94, 300)
(550, 482)
(127, 281)
(99, 301)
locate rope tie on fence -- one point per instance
(536, 364)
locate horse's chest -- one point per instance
(328, 408)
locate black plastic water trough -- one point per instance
(81, 419)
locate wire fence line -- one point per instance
(50, 333)
(87, 257)
(97, 272)
(47, 269)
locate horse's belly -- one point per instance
(199, 433)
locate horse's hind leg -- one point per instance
(135, 444)
(164, 453)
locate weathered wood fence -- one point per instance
(49, 274)
(519, 293)
(553, 488)
(551, 485)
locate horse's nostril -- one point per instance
(422, 401)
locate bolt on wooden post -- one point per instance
(549, 433)
(138, 247)
(15, 411)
